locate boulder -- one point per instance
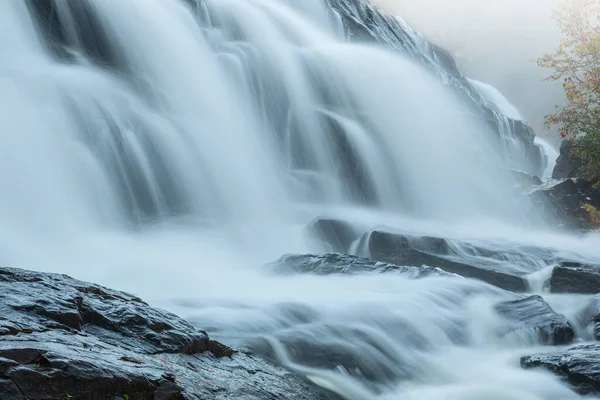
(579, 366)
(330, 264)
(534, 314)
(405, 250)
(567, 165)
(61, 338)
(571, 277)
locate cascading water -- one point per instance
(168, 147)
(497, 100)
(507, 111)
(551, 154)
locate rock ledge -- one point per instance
(61, 338)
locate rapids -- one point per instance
(171, 148)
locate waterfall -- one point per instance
(552, 155)
(192, 114)
(168, 147)
(509, 118)
(497, 100)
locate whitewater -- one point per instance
(173, 148)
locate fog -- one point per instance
(494, 41)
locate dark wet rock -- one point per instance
(565, 188)
(590, 316)
(579, 366)
(567, 165)
(574, 200)
(534, 314)
(405, 250)
(567, 202)
(330, 264)
(336, 234)
(571, 277)
(589, 194)
(62, 338)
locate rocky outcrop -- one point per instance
(571, 277)
(522, 316)
(568, 202)
(535, 315)
(61, 338)
(573, 200)
(495, 266)
(578, 366)
(401, 249)
(567, 165)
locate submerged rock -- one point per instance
(579, 366)
(525, 179)
(401, 249)
(570, 277)
(329, 264)
(336, 234)
(62, 338)
(590, 316)
(534, 314)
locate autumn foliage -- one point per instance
(576, 64)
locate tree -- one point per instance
(576, 64)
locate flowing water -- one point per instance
(501, 104)
(171, 148)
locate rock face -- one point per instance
(573, 200)
(578, 366)
(418, 251)
(534, 314)
(567, 165)
(571, 277)
(65, 339)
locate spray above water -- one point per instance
(163, 146)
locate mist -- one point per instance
(494, 41)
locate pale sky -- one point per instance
(494, 41)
